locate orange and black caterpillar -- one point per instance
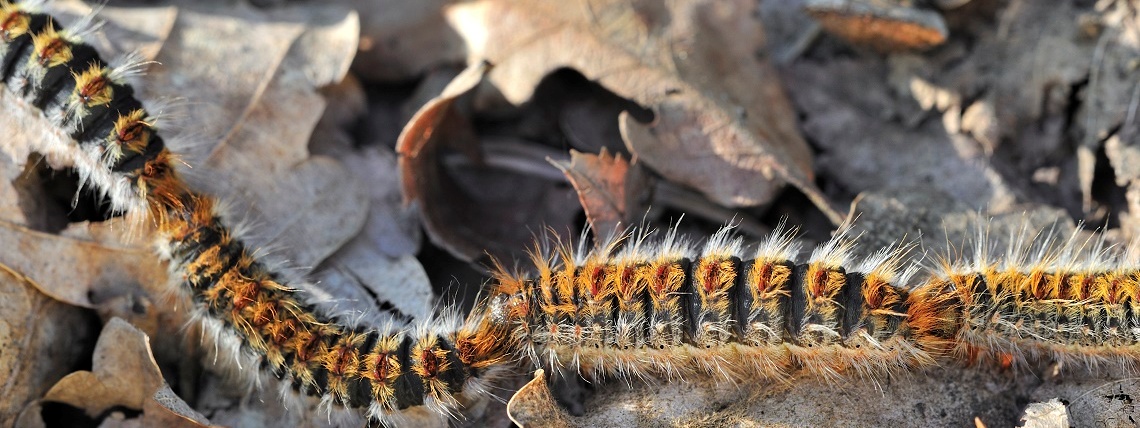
(633, 309)
(113, 142)
(669, 308)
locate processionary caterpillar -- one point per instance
(669, 308)
(631, 308)
(114, 145)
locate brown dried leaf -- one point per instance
(420, 130)
(380, 286)
(420, 177)
(403, 39)
(885, 25)
(21, 199)
(533, 405)
(88, 265)
(142, 30)
(251, 78)
(376, 272)
(472, 207)
(124, 374)
(42, 341)
(79, 270)
(866, 144)
(392, 227)
(722, 125)
(613, 192)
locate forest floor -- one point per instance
(390, 149)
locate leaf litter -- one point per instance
(609, 113)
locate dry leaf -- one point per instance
(124, 374)
(885, 25)
(139, 30)
(41, 340)
(1106, 401)
(417, 147)
(533, 405)
(403, 39)
(1050, 414)
(79, 270)
(392, 227)
(251, 80)
(613, 192)
(471, 208)
(165, 409)
(867, 145)
(381, 287)
(423, 126)
(719, 110)
(87, 265)
(376, 273)
(247, 81)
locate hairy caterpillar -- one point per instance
(632, 309)
(671, 308)
(113, 143)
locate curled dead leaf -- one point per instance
(885, 25)
(251, 77)
(612, 191)
(719, 110)
(123, 374)
(493, 203)
(533, 405)
(426, 122)
(41, 340)
(79, 270)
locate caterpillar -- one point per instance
(116, 147)
(634, 307)
(669, 308)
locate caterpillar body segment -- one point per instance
(1081, 318)
(114, 143)
(669, 310)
